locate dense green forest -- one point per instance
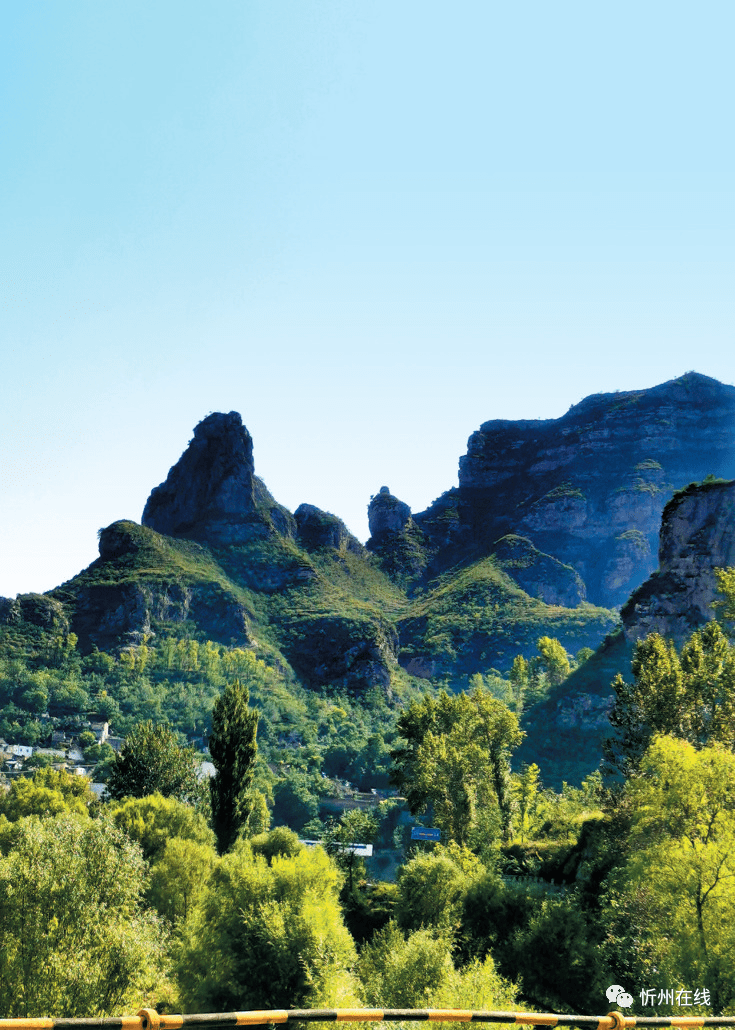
(197, 895)
(312, 742)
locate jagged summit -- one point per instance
(211, 484)
(212, 492)
(586, 490)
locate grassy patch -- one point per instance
(562, 491)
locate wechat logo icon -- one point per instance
(616, 993)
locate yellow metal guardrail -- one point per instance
(149, 1019)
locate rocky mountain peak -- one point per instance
(212, 492)
(386, 514)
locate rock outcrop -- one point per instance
(697, 536)
(35, 610)
(212, 492)
(354, 653)
(143, 583)
(316, 529)
(539, 574)
(588, 488)
(395, 537)
(110, 617)
(386, 514)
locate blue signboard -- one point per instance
(425, 833)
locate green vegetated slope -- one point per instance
(465, 617)
(156, 617)
(476, 618)
(565, 730)
(156, 626)
(333, 617)
(131, 554)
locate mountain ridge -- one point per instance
(433, 598)
(469, 600)
(589, 487)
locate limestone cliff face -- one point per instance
(587, 488)
(212, 492)
(697, 536)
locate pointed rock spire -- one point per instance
(211, 492)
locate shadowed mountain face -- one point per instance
(566, 731)
(588, 488)
(212, 493)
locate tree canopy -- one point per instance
(47, 792)
(154, 820)
(554, 659)
(74, 938)
(179, 877)
(233, 747)
(267, 935)
(431, 888)
(417, 971)
(152, 761)
(456, 758)
(671, 907)
(690, 695)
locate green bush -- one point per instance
(267, 936)
(74, 940)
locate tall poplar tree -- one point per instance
(233, 747)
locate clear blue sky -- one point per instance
(366, 226)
